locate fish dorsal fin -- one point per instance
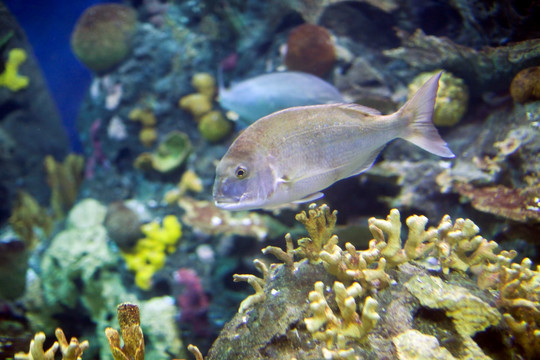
(360, 108)
(310, 197)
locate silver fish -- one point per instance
(293, 154)
(264, 94)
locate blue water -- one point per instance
(48, 25)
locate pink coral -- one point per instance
(192, 300)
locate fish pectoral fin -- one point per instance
(311, 197)
(366, 165)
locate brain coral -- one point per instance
(310, 49)
(102, 36)
(525, 86)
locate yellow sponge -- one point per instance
(10, 78)
(149, 254)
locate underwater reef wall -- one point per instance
(132, 218)
(30, 125)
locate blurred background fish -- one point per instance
(262, 95)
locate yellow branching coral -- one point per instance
(27, 214)
(449, 246)
(149, 254)
(319, 223)
(417, 244)
(70, 351)
(64, 180)
(257, 284)
(11, 78)
(459, 247)
(195, 352)
(519, 289)
(337, 329)
(130, 326)
(353, 265)
(456, 245)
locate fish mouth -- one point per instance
(226, 203)
(233, 204)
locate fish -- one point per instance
(292, 155)
(262, 95)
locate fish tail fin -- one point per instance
(419, 112)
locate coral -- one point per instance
(192, 300)
(148, 133)
(452, 97)
(11, 78)
(413, 345)
(64, 179)
(148, 136)
(197, 104)
(312, 10)
(102, 37)
(205, 84)
(257, 284)
(525, 86)
(336, 330)
(319, 223)
(204, 216)
(195, 352)
(130, 326)
(214, 127)
(434, 268)
(26, 215)
(518, 204)
(123, 224)
(170, 154)
(145, 116)
(310, 49)
(117, 129)
(488, 69)
(469, 313)
(519, 296)
(149, 254)
(172, 151)
(188, 182)
(159, 319)
(455, 245)
(70, 351)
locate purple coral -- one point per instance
(192, 300)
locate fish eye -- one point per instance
(240, 172)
